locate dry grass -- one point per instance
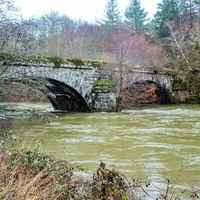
(34, 176)
(22, 182)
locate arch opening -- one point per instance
(65, 98)
(144, 93)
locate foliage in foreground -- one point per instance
(32, 175)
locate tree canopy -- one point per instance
(113, 17)
(135, 15)
(167, 10)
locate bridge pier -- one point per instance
(105, 102)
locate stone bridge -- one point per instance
(72, 88)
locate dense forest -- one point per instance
(171, 40)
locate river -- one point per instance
(151, 143)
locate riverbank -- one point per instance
(30, 175)
(13, 91)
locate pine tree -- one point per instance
(183, 6)
(197, 5)
(135, 15)
(113, 17)
(168, 10)
(197, 8)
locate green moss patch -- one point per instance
(57, 61)
(104, 84)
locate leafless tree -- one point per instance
(7, 13)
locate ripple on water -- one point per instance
(196, 126)
(85, 139)
(77, 127)
(153, 143)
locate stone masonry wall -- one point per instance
(105, 102)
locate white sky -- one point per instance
(90, 10)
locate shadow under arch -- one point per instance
(145, 92)
(65, 98)
(164, 94)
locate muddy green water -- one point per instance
(158, 143)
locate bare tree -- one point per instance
(7, 13)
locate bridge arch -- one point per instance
(164, 93)
(145, 92)
(65, 98)
(62, 96)
(68, 85)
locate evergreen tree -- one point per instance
(183, 6)
(191, 10)
(113, 17)
(197, 5)
(135, 15)
(168, 10)
(197, 8)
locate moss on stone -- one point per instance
(6, 57)
(104, 84)
(57, 61)
(80, 62)
(97, 64)
(76, 61)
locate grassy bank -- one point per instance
(30, 175)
